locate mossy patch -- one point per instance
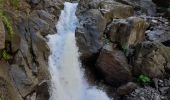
(7, 22)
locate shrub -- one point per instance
(144, 80)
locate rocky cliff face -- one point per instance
(25, 75)
(126, 41)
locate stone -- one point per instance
(127, 88)
(113, 67)
(89, 32)
(127, 32)
(2, 35)
(112, 10)
(152, 59)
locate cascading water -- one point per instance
(67, 81)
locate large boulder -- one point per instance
(112, 66)
(127, 32)
(89, 32)
(152, 59)
(111, 9)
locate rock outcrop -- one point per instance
(93, 16)
(152, 59)
(89, 32)
(127, 32)
(27, 67)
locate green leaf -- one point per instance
(1, 98)
(144, 80)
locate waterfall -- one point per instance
(67, 77)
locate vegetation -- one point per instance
(125, 49)
(5, 55)
(106, 39)
(15, 3)
(144, 80)
(5, 18)
(7, 22)
(1, 98)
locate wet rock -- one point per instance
(127, 88)
(89, 32)
(152, 59)
(112, 65)
(2, 35)
(127, 32)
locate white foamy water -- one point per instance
(67, 81)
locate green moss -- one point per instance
(106, 40)
(15, 3)
(5, 55)
(7, 22)
(1, 98)
(125, 49)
